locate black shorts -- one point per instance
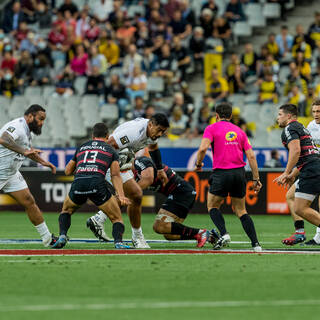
(181, 200)
(228, 181)
(307, 185)
(93, 188)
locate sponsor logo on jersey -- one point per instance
(124, 139)
(11, 129)
(231, 136)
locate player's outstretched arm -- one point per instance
(8, 142)
(117, 183)
(36, 157)
(257, 185)
(204, 145)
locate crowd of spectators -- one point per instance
(117, 51)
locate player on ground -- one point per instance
(303, 161)
(129, 138)
(90, 164)
(228, 143)
(299, 235)
(180, 198)
(15, 145)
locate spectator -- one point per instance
(268, 89)
(179, 124)
(295, 78)
(8, 61)
(142, 37)
(222, 30)
(149, 62)
(29, 8)
(12, 17)
(249, 60)
(197, 48)
(82, 24)
(24, 69)
(284, 42)
(274, 162)
(131, 60)
(206, 22)
(97, 59)
(95, 82)
(303, 47)
(56, 39)
(69, 5)
(101, 10)
(29, 43)
(218, 87)
(181, 55)
(109, 49)
(136, 84)
(22, 31)
(239, 121)
(208, 101)
(115, 93)
(43, 48)
(8, 84)
(188, 14)
(64, 86)
(314, 29)
(116, 16)
(43, 15)
(125, 33)
(149, 111)
(303, 66)
(93, 31)
(301, 37)
(272, 45)
(234, 11)
(41, 71)
(297, 98)
(171, 7)
(269, 65)
(236, 82)
(211, 4)
(231, 66)
(138, 109)
(186, 94)
(179, 27)
(79, 64)
(179, 101)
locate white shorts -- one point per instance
(14, 183)
(125, 176)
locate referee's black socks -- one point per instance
(64, 223)
(117, 231)
(184, 231)
(249, 228)
(218, 220)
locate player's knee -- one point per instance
(136, 197)
(157, 227)
(289, 196)
(28, 201)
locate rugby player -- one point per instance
(304, 154)
(90, 164)
(15, 145)
(228, 143)
(129, 138)
(180, 198)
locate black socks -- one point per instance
(117, 231)
(64, 223)
(249, 228)
(218, 220)
(184, 231)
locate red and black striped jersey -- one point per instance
(94, 158)
(296, 131)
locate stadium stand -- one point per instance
(60, 61)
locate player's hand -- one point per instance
(31, 152)
(123, 201)
(52, 167)
(162, 176)
(283, 179)
(198, 168)
(257, 185)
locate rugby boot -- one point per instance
(311, 242)
(295, 238)
(139, 242)
(214, 236)
(60, 243)
(223, 241)
(257, 248)
(50, 241)
(97, 229)
(121, 245)
(202, 237)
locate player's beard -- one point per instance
(34, 127)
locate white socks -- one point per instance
(44, 233)
(316, 238)
(101, 217)
(136, 231)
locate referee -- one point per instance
(228, 143)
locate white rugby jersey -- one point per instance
(314, 130)
(133, 135)
(10, 161)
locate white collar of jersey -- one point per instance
(26, 127)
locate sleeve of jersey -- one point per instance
(115, 156)
(14, 132)
(291, 134)
(246, 143)
(124, 138)
(74, 158)
(208, 133)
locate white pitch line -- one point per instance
(161, 305)
(43, 260)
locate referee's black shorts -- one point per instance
(228, 181)
(91, 187)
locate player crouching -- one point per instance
(180, 198)
(90, 164)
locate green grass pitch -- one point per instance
(279, 286)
